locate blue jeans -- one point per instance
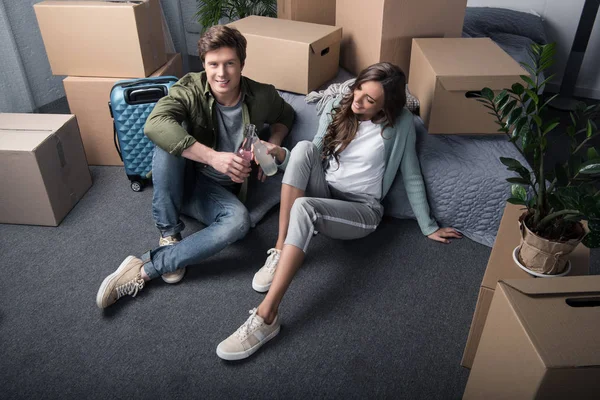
(178, 189)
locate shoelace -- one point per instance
(272, 260)
(131, 288)
(249, 326)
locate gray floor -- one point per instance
(384, 316)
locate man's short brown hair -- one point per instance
(222, 36)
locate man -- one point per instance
(197, 128)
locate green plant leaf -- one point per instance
(511, 163)
(501, 96)
(527, 79)
(514, 114)
(517, 89)
(592, 154)
(519, 192)
(549, 128)
(530, 107)
(517, 201)
(532, 96)
(590, 168)
(589, 129)
(537, 120)
(507, 108)
(487, 93)
(518, 180)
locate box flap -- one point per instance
(470, 63)
(33, 122)
(283, 29)
(557, 287)
(22, 140)
(319, 46)
(563, 326)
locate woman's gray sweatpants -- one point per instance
(327, 210)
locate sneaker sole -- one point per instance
(247, 353)
(108, 280)
(175, 278)
(260, 288)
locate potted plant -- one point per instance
(211, 11)
(556, 202)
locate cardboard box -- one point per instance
(293, 56)
(540, 341)
(445, 71)
(43, 171)
(102, 38)
(315, 11)
(382, 30)
(88, 100)
(501, 266)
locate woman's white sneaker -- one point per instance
(264, 277)
(248, 338)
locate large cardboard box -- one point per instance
(540, 341)
(501, 266)
(43, 171)
(102, 38)
(315, 11)
(445, 72)
(88, 100)
(293, 56)
(382, 30)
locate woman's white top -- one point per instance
(362, 163)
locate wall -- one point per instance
(561, 18)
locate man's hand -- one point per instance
(273, 150)
(442, 235)
(231, 165)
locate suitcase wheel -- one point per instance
(137, 186)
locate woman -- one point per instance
(348, 168)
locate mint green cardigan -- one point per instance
(400, 151)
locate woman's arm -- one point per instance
(324, 122)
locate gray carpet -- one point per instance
(387, 315)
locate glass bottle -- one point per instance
(245, 150)
(266, 160)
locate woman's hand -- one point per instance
(277, 151)
(442, 235)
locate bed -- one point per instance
(465, 180)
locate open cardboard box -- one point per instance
(293, 56)
(446, 72)
(540, 341)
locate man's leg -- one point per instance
(169, 181)
(227, 221)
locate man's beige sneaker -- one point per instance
(127, 279)
(248, 338)
(264, 277)
(176, 276)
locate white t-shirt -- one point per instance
(362, 163)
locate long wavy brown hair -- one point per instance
(344, 124)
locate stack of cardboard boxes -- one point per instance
(97, 43)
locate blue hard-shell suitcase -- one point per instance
(131, 101)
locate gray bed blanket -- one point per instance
(465, 180)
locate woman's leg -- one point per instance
(338, 219)
(304, 173)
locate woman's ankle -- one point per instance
(266, 314)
